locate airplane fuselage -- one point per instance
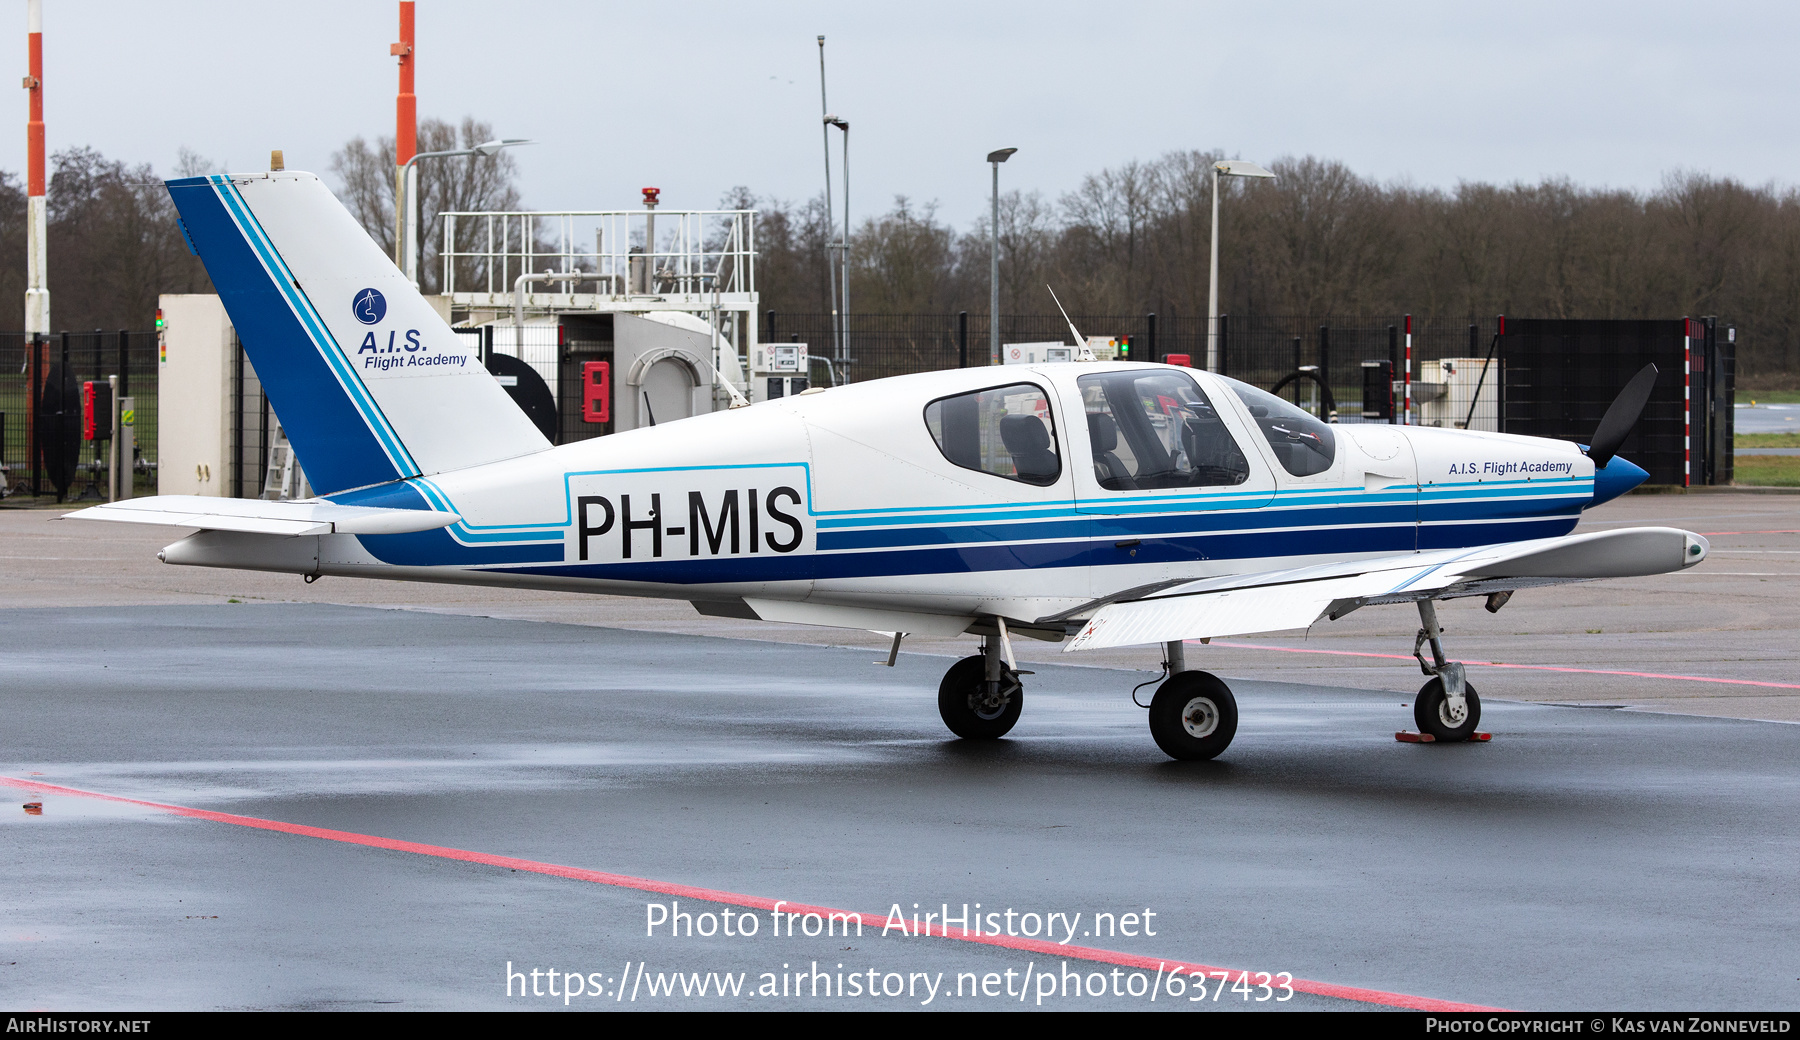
(904, 497)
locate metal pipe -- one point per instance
(1212, 283)
(825, 138)
(551, 276)
(844, 255)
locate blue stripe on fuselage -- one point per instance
(1035, 555)
(438, 548)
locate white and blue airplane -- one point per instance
(1102, 504)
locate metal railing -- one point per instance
(681, 257)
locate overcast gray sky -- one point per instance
(697, 97)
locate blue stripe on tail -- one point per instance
(335, 436)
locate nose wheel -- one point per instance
(1446, 721)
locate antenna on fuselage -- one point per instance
(1081, 347)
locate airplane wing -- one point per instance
(1271, 601)
(257, 516)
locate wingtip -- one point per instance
(1694, 550)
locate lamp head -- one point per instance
(839, 123)
(1001, 156)
(491, 147)
(1240, 168)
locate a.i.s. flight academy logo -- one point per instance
(369, 306)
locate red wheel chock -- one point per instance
(1407, 736)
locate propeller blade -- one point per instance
(1621, 416)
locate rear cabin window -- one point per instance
(1006, 431)
(1157, 429)
(1304, 445)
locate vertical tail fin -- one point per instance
(370, 383)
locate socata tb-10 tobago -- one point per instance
(1108, 504)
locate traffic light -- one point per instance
(159, 320)
(1125, 348)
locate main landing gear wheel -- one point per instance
(1193, 716)
(970, 709)
(1431, 710)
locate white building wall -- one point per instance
(194, 397)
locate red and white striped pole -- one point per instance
(37, 272)
(1687, 401)
(406, 138)
(1408, 377)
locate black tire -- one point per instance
(1431, 712)
(962, 692)
(1193, 716)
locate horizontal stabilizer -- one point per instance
(1273, 601)
(256, 516)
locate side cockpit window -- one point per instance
(1006, 431)
(1304, 445)
(1152, 429)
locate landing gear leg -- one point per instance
(981, 696)
(1446, 707)
(1174, 657)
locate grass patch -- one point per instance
(1768, 396)
(1767, 470)
(1767, 440)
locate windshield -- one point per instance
(1303, 444)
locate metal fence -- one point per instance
(1562, 376)
(49, 380)
(1258, 349)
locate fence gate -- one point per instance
(1561, 374)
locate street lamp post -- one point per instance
(1222, 168)
(843, 343)
(406, 248)
(825, 122)
(995, 159)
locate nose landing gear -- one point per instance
(1446, 708)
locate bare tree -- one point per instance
(114, 243)
(902, 261)
(791, 271)
(365, 174)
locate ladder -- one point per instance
(285, 480)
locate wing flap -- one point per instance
(1231, 612)
(257, 516)
(1274, 601)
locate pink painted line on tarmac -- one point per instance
(1012, 942)
(1528, 667)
